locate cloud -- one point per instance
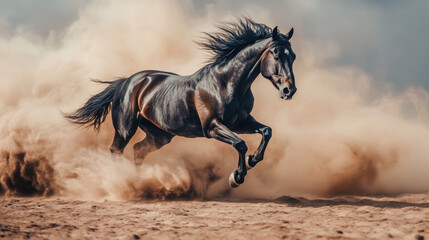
(385, 38)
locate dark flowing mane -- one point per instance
(233, 37)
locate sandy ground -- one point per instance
(400, 217)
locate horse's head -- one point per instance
(276, 64)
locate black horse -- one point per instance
(214, 102)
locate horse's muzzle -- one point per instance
(287, 93)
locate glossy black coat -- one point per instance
(214, 102)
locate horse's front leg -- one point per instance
(249, 126)
(220, 132)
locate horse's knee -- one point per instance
(266, 132)
(115, 151)
(143, 144)
(141, 149)
(160, 142)
(240, 146)
(138, 146)
(149, 144)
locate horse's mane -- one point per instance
(233, 37)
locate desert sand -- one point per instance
(350, 217)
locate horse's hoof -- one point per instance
(248, 167)
(232, 181)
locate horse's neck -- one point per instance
(242, 69)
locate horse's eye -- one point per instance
(276, 54)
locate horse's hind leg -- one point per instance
(125, 124)
(119, 143)
(154, 140)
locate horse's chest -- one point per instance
(235, 113)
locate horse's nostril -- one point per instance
(285, 90)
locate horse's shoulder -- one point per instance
(248, 96)
(248, 100)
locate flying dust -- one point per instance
(337, 136)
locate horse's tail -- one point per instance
(95, 110)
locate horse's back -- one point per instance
(166, 100)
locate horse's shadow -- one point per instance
(339, 201)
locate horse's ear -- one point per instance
(275, 33)
(289, 34)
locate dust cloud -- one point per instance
(337, 136)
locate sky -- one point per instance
(387, 39)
